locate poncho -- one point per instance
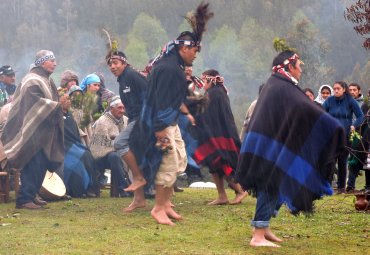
(35, 122)
(289, 146)
(217, 135)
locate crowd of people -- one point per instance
(161, 125)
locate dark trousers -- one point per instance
(352, 175)
(32, 176)
(342, 169)
(113, 162)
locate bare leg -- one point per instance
(259, 239)
(138, 179)
(162, 200)
(240, 193)
(138, 202)
(171, 212)
(222, 196)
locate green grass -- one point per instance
(98, 226)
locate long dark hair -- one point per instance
(344, 85)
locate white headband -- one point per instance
(49, 55)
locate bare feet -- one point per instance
(172, 214)
(134, 205)
(136, 185)
(271, 236)
(238, 198)
(219, 202)
(262, 243)
(161, 217)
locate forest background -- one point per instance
(238, 43)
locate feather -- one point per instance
(109, 45)
(199, 19)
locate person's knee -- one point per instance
(113, 156)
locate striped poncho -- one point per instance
(35, 122)
(289, 146)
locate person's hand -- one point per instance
(191, 119)
(163, 142)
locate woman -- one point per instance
(342, 107)
(325, 91)
(219, 143)
(85, 104)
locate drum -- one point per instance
(53, 187)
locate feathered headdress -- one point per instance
(112, 47)
(198, 21)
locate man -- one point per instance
(288, 150)
(132, 89)
(33, 134)
(160, 138)
(7, 83)
(105, 130)
(355, 91)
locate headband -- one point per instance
(49, 55)
(286, 62)
(122, 58)
(115, 100)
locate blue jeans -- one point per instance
(121, 143)
(32, 176)
(267, 206)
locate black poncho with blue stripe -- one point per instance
(289, 147)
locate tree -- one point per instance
(313, 50)
(148, 30)
(359, 13)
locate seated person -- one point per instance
(104, 131)
(80, 176)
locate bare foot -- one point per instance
(172, 214)
(134, 205)
(262, 243)
(219, 202)
(238, 198)
(135, 185)
(271, 236)
(161, 217)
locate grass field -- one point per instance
(98, 226)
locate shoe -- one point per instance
(90, 194)
(341, 191)
(350, 190)
(29, 205)
(38, 201)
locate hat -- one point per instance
(73, 89)
(68, 76)
(6, 70)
